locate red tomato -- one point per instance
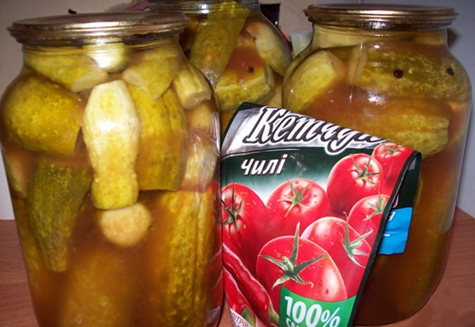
(392, 158)
(244, 219)
(348, 249)
(298, 200)
(301, 266)
(365, 216)
(352, 178)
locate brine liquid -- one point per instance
(109, 286)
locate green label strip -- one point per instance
(298, 311)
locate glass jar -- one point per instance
(386, 70)
(241, 52)
(109, 139)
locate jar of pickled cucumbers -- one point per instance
(386, 70)
(241, 52)
(109, 138)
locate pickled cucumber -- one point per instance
(270, 46)
(111, 131)
(202, 161)
(182, 245)
(231, 92)
(18, 166)
(247, 77)
(204, 118)
(161, 159)
(112, 57)
(276, 99)
(153, 70)
(55, 194)
(408, 74)
(334, 38)
(191, 87)
(125, 226)
(98, 292)
(314, 76)
(42, 116)
(76, 72)
(419, 124)
(216, 37)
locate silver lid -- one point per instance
(94, 25)
(381, 16)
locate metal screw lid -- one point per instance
(96, 25)
(381, 16)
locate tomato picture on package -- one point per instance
(352, 178)
(251, 288)
(391, 157)
(348, 248)
(298, 200)
(244, 220)
(236, 300)
(365, 216)
(302, 267)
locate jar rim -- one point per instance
(97, 25)
(381, 16)
(201, 7)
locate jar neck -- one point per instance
(336, 36)
(103, 45)
(200, 7)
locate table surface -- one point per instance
(452, 304)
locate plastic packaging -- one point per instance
(306, 205)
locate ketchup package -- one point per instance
(306, 206)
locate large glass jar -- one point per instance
(109, 138)
(241, 52)
(386, 70)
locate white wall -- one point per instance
(292, 18)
